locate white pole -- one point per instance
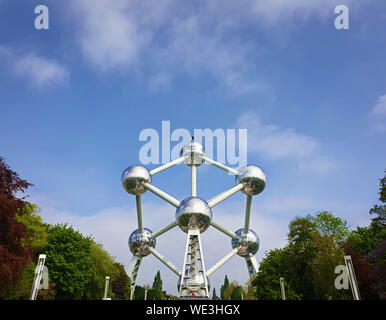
(166, 262)
(221, 262)
(38, 276)
(163, 195)
(106, 288)
(222, 196)
(167, 166)
(247, 213)
(145, 298)
(282, 288)
(352, 278)
(139, 213)
(220, 165)
(194, 180)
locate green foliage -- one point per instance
(69, 261)
(121, 283)
(36, 229)
(214, 295)
(157, 283)
(365, 239)
(267, 280)
(155, 294)
(139, 293)
(102, 265)
(224, 287)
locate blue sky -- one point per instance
(74, 99)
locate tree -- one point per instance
(228, 291)
(69, 261)
(121, 284)
(214, 295)
(102, 265)
(238, 293)
(14, 256)
(139, 293)
(267, 280)
(157, 283)
(313, 253)
(36, 229)
(224, 287)
(379, 222)
(155, 294)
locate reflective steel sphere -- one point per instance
(249, 243)
(139, 242)
(193, 153)
(134, 177)
(253, 178)
(196, 281)
(193, 212)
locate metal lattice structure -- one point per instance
(193, 216)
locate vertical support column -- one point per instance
(194, 180)
(252, 265)
(194, 282)
(247, 213)
(139, 213)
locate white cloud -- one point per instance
(197, 38)
(40, 71)
(380, 108)
(273, 141)
(276, 143)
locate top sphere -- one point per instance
(253, 179)
(193, 212)
(134, 177)
(193, 153)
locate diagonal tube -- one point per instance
(162, 194)
(166, 262)
(167, 165)
(164, 229)
(226, 194)
(223, 230)
(220, 166)
(222, 262)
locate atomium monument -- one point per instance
(193, 216)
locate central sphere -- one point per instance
(134, 177)
(193, 153)
(248, 243)
(193, 212)
(139, 242)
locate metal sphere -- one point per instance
(139, 242)
(195, 281)
(193, 153)
(193, 212)
(134, 177)
(248, 243)
(253, 179)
